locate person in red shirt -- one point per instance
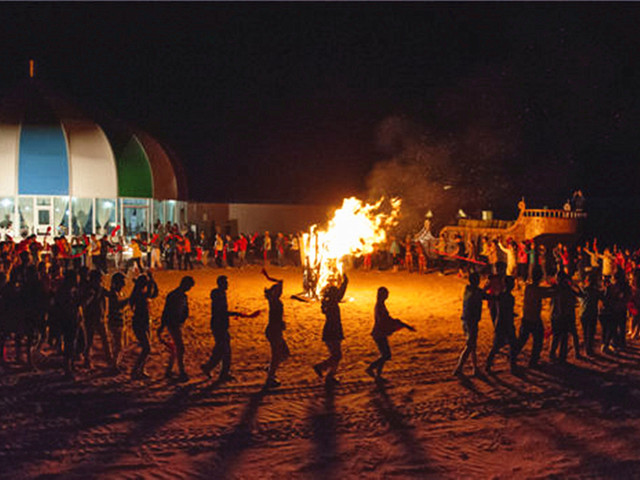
(187, 252)
(422, 260)
(523, 262)
(408, 254)
(242, 244)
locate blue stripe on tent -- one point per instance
(43, 168)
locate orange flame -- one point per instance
(355, 229)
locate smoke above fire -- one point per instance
(441, 175)
(465, 157)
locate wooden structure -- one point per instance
(532, 224)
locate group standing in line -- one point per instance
(67, 306)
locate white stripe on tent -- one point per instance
(9, 142)
(92, 165)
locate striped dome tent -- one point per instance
(63, 172)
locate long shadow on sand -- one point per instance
(59, 410)
(235, 442)
(324, 424)
(148, 421)
(402, 430)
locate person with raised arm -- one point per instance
(332, 334)
(275, 328)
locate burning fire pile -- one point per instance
(355, 229)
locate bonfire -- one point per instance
(355, 229)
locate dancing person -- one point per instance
(494, 287)
(563, 318)
(471, 314)
(34, 300)
(384, 325)
(608, 264)
(606, 315)
(504, 332)
(634, 305)
(144, 289)
(275, 327)
(510, 251)
(174, 314)
(531, 324)
(220, 315)
(67, 312)
(115, 318)
(589, 296)
(620, 302)
(332, 334)
(94, 307)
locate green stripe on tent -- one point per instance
(134, 171)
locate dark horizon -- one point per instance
(285, 102)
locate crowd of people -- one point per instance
(604, 285)
(60, 294)
(168, 247)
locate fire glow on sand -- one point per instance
(355, 229)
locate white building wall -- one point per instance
(276, 217)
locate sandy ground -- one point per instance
(579, 420)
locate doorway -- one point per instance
(44, 216)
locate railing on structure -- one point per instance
(546, 213)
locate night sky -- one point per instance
(283, 102)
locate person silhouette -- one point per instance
(279, 348)
(220, 315)
(145, 288)
(115, 317)
(332, 334)
(471, 314)
(384, 325)
(504, 331)
(174, 314)
(94, 307)
(531, 324)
